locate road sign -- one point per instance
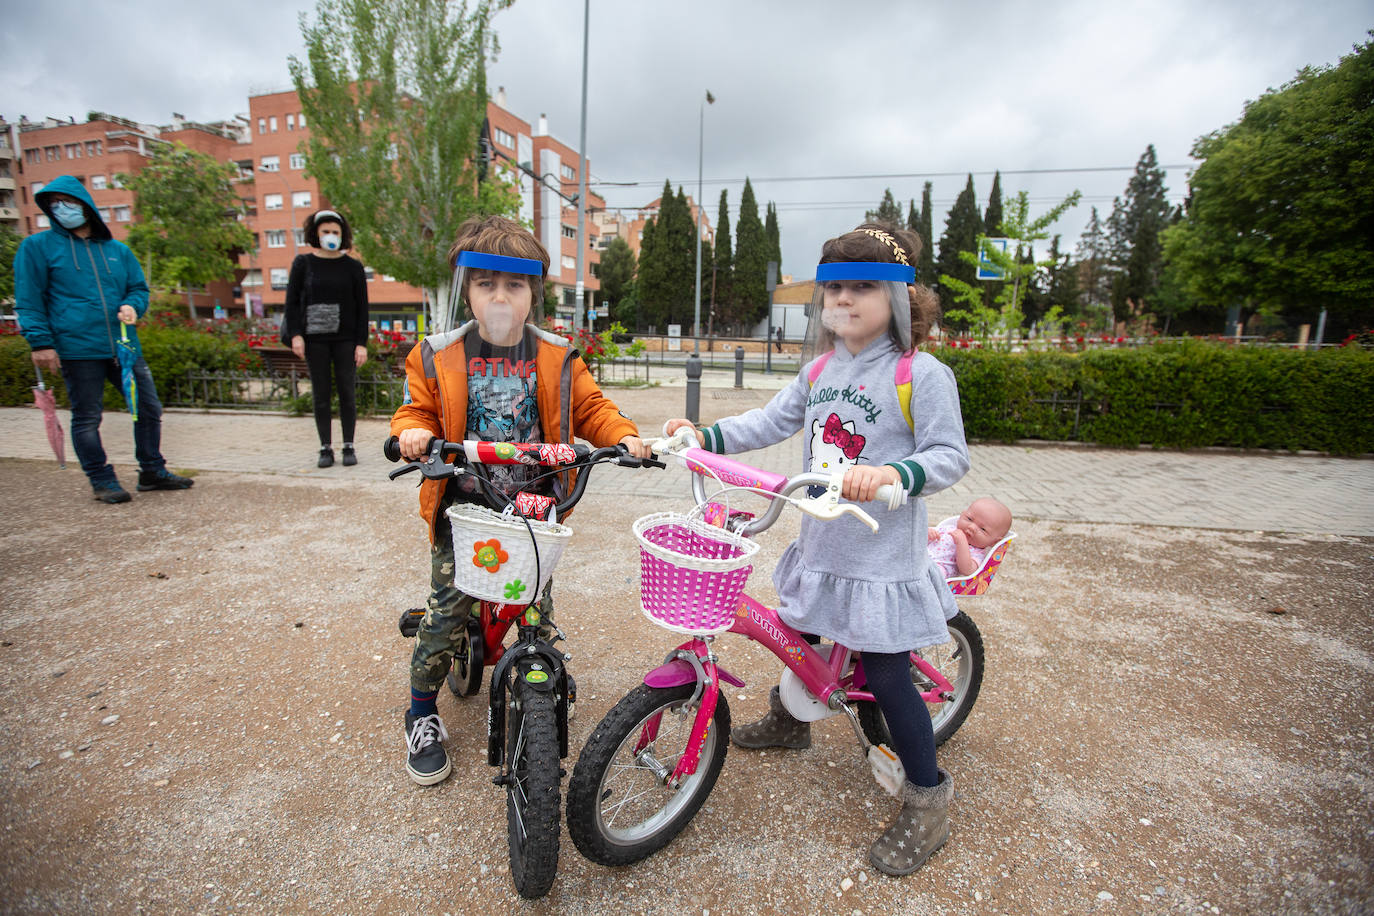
(986, 269)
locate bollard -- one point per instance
(739, 367)
(694, 387)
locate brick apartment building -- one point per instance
(267, 145)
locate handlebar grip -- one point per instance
(391, 448)
(893, 495)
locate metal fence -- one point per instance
(289, 392)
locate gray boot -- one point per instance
(921, 827)
(777, 728)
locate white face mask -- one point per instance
(330, 241)
(837, 320)
(499, 321)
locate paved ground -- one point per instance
(1260, 491)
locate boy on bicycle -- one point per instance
(498, 378)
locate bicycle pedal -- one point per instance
(409, 624)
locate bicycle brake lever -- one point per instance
(827, 506)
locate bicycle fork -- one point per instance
(690, 663)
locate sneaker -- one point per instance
(350, 457)
(572, 697)
(163, 479)
(426, 760)
(109, 491)
(326, 457)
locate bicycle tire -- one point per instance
(659, 813)
(465, 674)
(532, 795)
(961, 661)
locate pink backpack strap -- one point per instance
(815, 371)
(903, 374)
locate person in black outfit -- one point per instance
(326, 324)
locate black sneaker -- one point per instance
(350, 457)
(109, 491)
(163, 479)
(426, 760)
(326, 457)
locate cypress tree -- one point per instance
(770, 231)
(962, 227)
(925, 267)
(888, 211)
(751, 261)
(992, 228)
(724, 260)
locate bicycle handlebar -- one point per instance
(445, 459)
(683, 445)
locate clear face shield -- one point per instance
(469, 261)
(821, 324)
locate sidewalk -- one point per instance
(1222, 490)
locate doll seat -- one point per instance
(977, 582)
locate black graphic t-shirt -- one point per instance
(502, 408)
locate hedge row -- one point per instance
(1176, 395)
(1192, 394)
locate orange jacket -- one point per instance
(570, 403)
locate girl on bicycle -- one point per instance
(876, 593)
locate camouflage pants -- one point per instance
(443, 629)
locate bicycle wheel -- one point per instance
(620, 808)
(532, 793)
(465, 676)
(961, 662)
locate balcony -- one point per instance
(9, 213)
(6, 183)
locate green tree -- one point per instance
(772, 233)
(1134, 237)
(1061, 283)
(188, 206)
(751, 262)
(1016, 264)
(723, 285)
(888, 211)
(667, 262)
(395, 93)
(992, 227)
(616, 273)
(1278, 218)
(9, 244)
(1094, 269)
(962, 227)
(925, 265)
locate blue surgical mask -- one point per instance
(330, 241)
(68, 214)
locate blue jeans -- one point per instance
(85, 380)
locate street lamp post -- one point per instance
(701, 148)
(582, 176)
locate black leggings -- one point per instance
(320, 356)
(908, 721)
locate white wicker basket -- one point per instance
(495, 558)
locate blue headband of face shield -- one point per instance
(865, 270)
(499, 262)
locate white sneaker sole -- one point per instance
(430, 779)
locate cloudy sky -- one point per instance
(822, 104)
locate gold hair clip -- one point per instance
(888, 240)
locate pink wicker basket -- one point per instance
(691, 574)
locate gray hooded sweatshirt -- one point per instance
(874, 591)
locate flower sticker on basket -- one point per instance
(489, 555)
(514, 589)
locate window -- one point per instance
(297, 161)
(97, 182)
(262, 126)
(43, 221)
(569, 232)
(368, 272)
(272, 123)
(271, 163)
(104, 214)
(54, 153)
(278, 277)
(115, 182)
(95, 148)
(300, 198)
(569, 262)
(503, 138)
(121, 214)
(271, 201)
(569, 173)
(252, 278)
(300, 237)
(276, 238)
(38, 186)
(33, 156)
(290, 122)
(300, 119)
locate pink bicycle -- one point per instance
(652, 761)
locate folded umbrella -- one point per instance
(43, 399)
(128, 351)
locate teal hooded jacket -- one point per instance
(68, 290)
